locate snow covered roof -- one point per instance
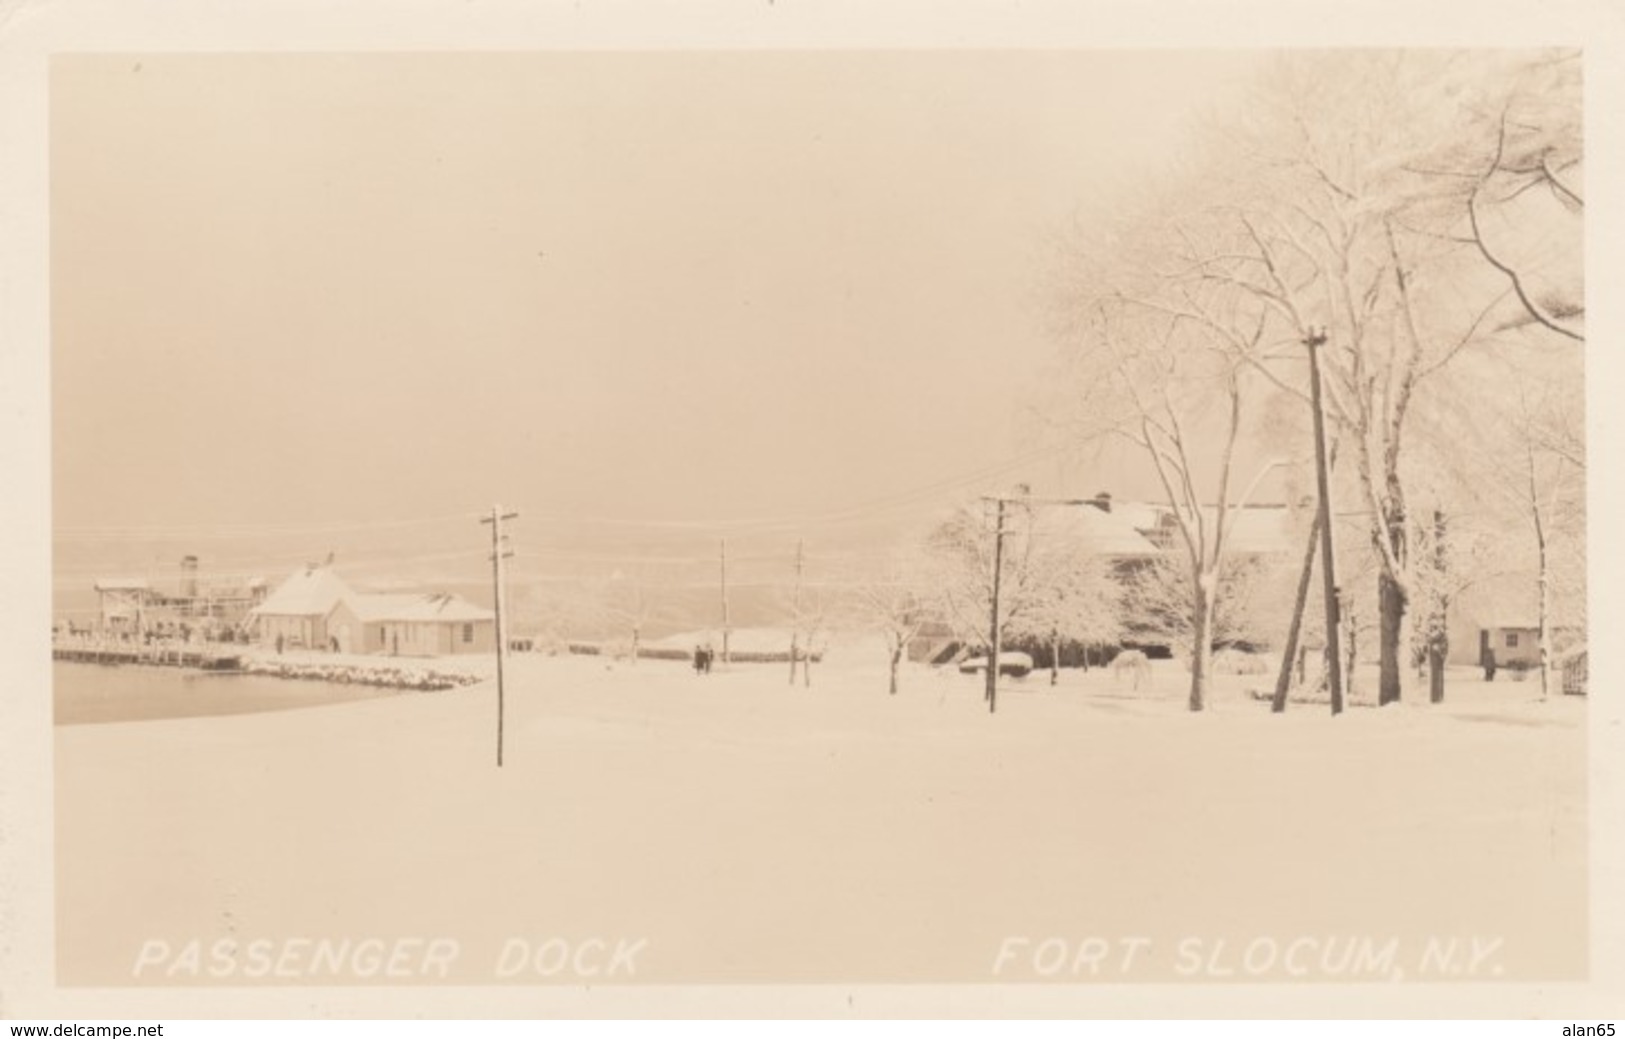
(1137, 514)
(312, 592)
(370, 606)
(1130, 528)
(1255, 529)
(1111, 533)
(441, 607)
(1528, 623)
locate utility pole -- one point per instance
(795, 623)
(1314, 340)
(723, 543)
(1283, 681)
(499, 552)
(992, 693)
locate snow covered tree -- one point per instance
(889, 600)
(1527, 466)
(1337, 225)
(1081, 602)
(1151, 371)
(1507, 179)
(1250, 607)
(1048, 575)
(1403, 208)
(621, 603)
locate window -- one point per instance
(468, 633)
(1512, 640)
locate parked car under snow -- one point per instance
(1016, 665)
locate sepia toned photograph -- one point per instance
(1065, 517)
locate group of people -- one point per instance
(703, 655)
(158, 631)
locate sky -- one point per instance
(658, 293)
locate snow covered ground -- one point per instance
(655, 826)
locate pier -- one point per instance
(203, 658)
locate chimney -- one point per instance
(189, 581)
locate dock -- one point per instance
(202, 658)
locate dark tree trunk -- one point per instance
(1352, 646)
(1545, 622)
(1202, 650)
(1439, 618)
(1392, 647)
(1393, 605)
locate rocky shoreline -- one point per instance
(424, 679)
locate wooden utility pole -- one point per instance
(993, 635)
(1283, 681)
(1328, 555)
(795, 623)
(499, 552)
(723, 557)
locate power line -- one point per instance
(228, 531)
(875, 506)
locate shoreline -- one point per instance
(394, 676)
(424, 674)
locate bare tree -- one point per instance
(622, 603)
(889, 600)
(1507, 180)
(1155, 372)
(1543, 489)
(1342, 209)
(813, 622)
(1249, 605)
(1333, 228)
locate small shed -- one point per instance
(1514, 644)
(423, 625)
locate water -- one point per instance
(86, 693)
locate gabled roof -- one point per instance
(1529, 623)
(312, 592)
(376, 606)
(399, 608)
(1113, 533)
(1258, 529)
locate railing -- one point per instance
(108, 649)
